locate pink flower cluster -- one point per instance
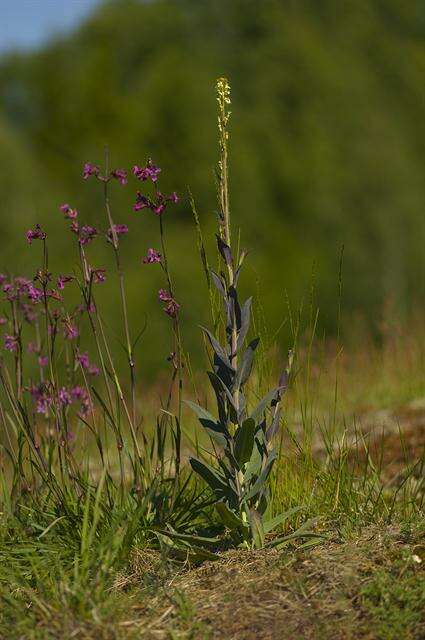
(44, 398)
(152, 257)
(84, 361)
(70, 330)
(10, 343)
(85, 233)
(149, 172)
(119, 229)
(90, 170)
(20, 287)
(36, 234)
(157, 205)
(171, 307)
(98, 275)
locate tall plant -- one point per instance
(240, 478)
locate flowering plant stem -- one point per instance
(120, 272)
(240, 480)
(177, 341)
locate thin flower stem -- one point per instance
(115, 245)
(89, 299)
(18, 352)
(176, 322)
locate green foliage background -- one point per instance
(327, 147)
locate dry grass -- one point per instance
(327, 592)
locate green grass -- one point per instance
(96, 570)
(90, 565)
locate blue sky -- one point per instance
(28, 23)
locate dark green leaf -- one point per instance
(245, 366)
(198, 540)
(183, 551)
(259, 451)
(225, 251)
(260, 483)
(264, 403)
(245, 321)
(219, 394)
(228, 517)
(244, 441)
(217, 348)
(218, 281)
(213, 478)
(214, 429)
(272, 430)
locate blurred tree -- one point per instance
(327, 148)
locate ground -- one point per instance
(371, 588)
(363, 582)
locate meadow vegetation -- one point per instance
(295, 503)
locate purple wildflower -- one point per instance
(32, 347)
(41, 397)
(142, 202)
(35, 234)
(70, 331)
(86, 234)
(34, 294)
(172, 307)
(150, 172)
(10, 342)
(78, 393)
(162, 201)
(83, 308)
(81, 395)
(120, 230)
(10, 291)
(90, 170)
(120, 175)
(69, 212)
(93, 370)
(22, 285)
(43, 361)
(83, 359)
(152, 257)
(28, 313)
(164, 296)
(55, 295)
(62, 280)
(3, 321)
(158, 205)
(64, 396)
(99, 275)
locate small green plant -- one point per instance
(239, 480)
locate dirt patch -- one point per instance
(323, 593)
(394, 442)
